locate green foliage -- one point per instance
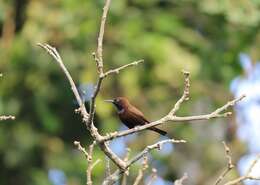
(204, 37)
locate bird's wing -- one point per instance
(138, 115)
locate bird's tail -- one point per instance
(162, 132)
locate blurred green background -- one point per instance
(203, 37)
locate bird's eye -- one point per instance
(115, 100)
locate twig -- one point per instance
(180, 181)
(117, 70)
(153, 177)
(230, 166)
(108, 171)
(248, 175)
(91, 165)
(82, 149)
(169, 117)
(157, 145)
(54, 53)
(116, 175)
(113, 178)
(125, 173)
(185, 95)
(3, 117)
(89, 169)
(99, 52)
(89, 157)
(141, 171)
(98, 56)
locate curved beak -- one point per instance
(110, 101)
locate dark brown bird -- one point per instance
(130, 115)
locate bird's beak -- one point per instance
(110, 101)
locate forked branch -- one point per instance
(89, 157)
(230, 165)
(248, 175)
(173, 118)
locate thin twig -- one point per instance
(126, 173)
(153, 177)
(108, 171)
(116, 175)
(181, 180)
(82, 149)
(248, 175)
(54, 53)
(230, 165)
(99, 52)
(89, 169)
(141, 171)
(113, 178)
(117, 70)
(89, 157)
(185, 95)
(157, 145)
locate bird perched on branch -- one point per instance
(130, 115)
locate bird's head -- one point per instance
(120, 103)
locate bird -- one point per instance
(130, 115)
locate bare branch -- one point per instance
(102, 141)
(116, 175)
(113, 177)
(215, 114)
(82, 149)
(141, 171)
(180, 181)
(105, 148)
(153, 177)
(117, 70)
(98, 86)
(54, 53)
(93, 100)
(99, 52)
(108, 171)
(98, 56)
(185, 95)
(242, 178)
(248, 175)
(230, 166)
(89, 157)
(88, 120)
(91, 165)
(252, 165)
(126, 172)
(9, 117)
(89, 169)
(157, 145)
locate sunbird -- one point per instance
(130, 115)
